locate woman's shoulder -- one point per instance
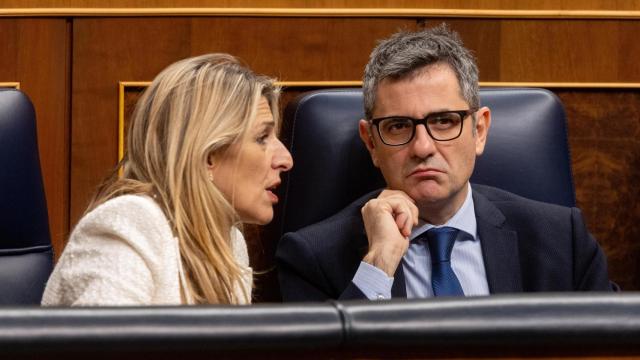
(129, 204)
(126, 215)
(121, 252)
(128, 208)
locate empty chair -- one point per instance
(26, 256)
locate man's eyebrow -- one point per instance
(440, 111)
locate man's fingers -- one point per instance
(403, 220)
(397, 195)
(405, 214)
(395, 204)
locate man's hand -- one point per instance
(388, 220)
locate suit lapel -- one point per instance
(499, 247)
(399, 288)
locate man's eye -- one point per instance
(398, 125)
(444, 121)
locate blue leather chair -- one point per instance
(527, 152)
(26, 255)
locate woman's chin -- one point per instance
(258, 219)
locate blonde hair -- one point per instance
(192, 111)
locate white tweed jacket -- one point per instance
(124, 253)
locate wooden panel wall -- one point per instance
(35, 53)
(71, 69)
(524, 50)
(605, 147)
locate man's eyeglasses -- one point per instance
(441, 126)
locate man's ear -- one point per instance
(364, 128)
(483, 123)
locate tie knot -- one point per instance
(440, 242)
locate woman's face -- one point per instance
(248, 173)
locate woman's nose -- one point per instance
(282, 158)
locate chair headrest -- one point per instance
(26, 256)
(23, 209)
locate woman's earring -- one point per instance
(210, 176)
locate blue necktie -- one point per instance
(443, 280)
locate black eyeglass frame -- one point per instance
(462, 113)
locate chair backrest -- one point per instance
(527, 152)
(26, 256)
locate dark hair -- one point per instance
(406, 52)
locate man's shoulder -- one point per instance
(344, 224)
(518, 210)
(502, 197)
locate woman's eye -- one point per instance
(262, 139)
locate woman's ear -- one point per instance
(210, 167)
(210, 162)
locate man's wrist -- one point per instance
(379, 260)
(373, 282)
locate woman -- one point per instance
(202, 157)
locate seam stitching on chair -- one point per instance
(21, 251)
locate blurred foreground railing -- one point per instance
(542, 325)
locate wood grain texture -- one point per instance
(604, 135)
(551, 50)
(102, 56)
(35, 53)
(445, 4)
(568, 51)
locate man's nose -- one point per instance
(423, 144)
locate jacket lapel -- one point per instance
(399, 289)
(499, 247)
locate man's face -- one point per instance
(433, 173)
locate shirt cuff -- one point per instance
(373, 282)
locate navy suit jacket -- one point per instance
(526, 245)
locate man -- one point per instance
(431, 233)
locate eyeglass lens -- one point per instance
(400, 130)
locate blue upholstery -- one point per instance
(26, 256)
(527, 152)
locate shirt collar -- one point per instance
(464, 220)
